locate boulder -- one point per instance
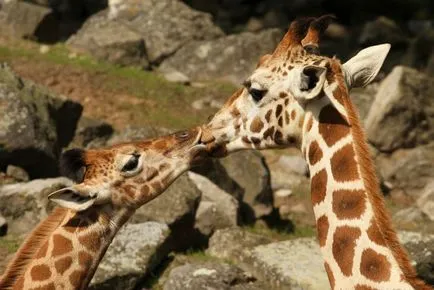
(138, 32)
(110, 40)
(24, 205)
(382, 30)
(135, 251)
(136, 133)
(426, 200)
(217, 209)
(92, 133)
(402, 114)
(27, 20)
(35, 126)
(17, 173)
(176, 207)
(209, 275)
(408, 170)
(420, 53)
(363, 99)
(233, 244)
(231, 57)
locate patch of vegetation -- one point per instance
(10, 243)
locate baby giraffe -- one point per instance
(296, 97)
(65, 249)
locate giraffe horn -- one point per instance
(295, 33)
(316, 29)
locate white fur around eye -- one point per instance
(124, 160)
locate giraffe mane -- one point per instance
(373, 191)
(30, 246)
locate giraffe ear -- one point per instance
(70, 198)
(361, 69)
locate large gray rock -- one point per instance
(231, 57)
(209, 276)
(217, 209)
(135, 251)
(144, 31)
(3, 226)
(35, 125)
(402, 114)
(92, 133)
(234, 243)
(426, 201)
(24, 205)
(110, 40)
(382, 30)
(408, 170)
(249, 170)
(27, 20)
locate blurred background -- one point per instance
(92, 73)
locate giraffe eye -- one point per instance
(256, 94)
(131, 163)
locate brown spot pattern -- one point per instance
(322, 225)
(314, 153)
(283, 95)
(364, 287)
(344, 243)
(330, 275)
(268, 115)
(293, 115)
(374, 266)
(318, 185)
(61, 245)
(144, 190)
(40, 272)
(75, 278)
(280, 121)
(151, 172)
(63, 264)
(343, 164)
(84, 259)
(268, 133)
(309, 123)
(278, 110)
(278, 138)
(91, 241)
(256, 125)
(332, 126)
(349, 204)
(375, 235)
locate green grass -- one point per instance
(164, 103)
(10, 243)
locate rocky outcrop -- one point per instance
(135, 251)
(24, 205)
(91, 133)
(231, 57)
(141, 32)
(210, 275)
(35, 125)
(408, 170)
(217, 209)
(3, 226)
(426, 200)
(402, 114)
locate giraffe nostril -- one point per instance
(182, 135)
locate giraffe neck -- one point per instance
(65, 249)
(358, 244)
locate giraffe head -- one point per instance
(269, 111)
(127, 175)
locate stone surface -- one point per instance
(27, 20)
(407, 169)
(35, 127)
(143, 31)
(234, 243)
(217, 209)
(17, 173)
(402, 114)
(110, 40)
(91, 133)
(135, 251)
(177, 77)
(382, 30)
(136, 133)
(209, 276)
(249, 170)
(231, 57)
(26, 204)
(426, 201)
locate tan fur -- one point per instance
(373, 189)
(31, 245)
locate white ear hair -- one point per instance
(361, 69)
(70, 198)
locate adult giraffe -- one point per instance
(296, 97)
(65, 249)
